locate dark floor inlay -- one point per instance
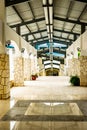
(22, 103)
(45, 118)
(17, 113)
(83, 107)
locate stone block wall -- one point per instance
(78, 67)
(73, 67)
(18, 71)
(41, 70)
(42, 73)
(61, 71)
(27, 69)
(4, 76)
(83, 70)
(32, 66)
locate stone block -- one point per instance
(0, 72)
(0, 63)
(84, 84)
(2, 67)
(0, 96)
(5, 73)
(4, 76)
(7, 65)
(6, 81)
(2, 56)
(11, 83)
(74, 67)
(2, 81)
(27, 69)
(1, 91)
(6, 96)
(1, 87)
(6, 89)
(83, 70)
(6, 58)
(18, 72)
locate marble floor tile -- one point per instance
(35, 107)
(56, 108)
(50, 126)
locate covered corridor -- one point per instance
(42, 44)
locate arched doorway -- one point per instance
(12, 50)
(52, 72)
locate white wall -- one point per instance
(21, 43)
(81, 42)
(12, 35)
(84, 41)
(69, 50)
(77, 44)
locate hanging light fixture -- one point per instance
(48, 10)
(46, 14)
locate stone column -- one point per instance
(61, 71)
(78, 67)
(32, 65)
(18, 71)
(42, 71)
(83, 71)
(40, 66)
(4, 76)
(27, 69)
(73, 67)
(4, 58)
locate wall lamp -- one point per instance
(22, 50)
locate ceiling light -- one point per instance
(51, 14)
(48, 35)
(51, 36)
(50, 2)
(44, 2)
(46, 14)
(48, 29)
(51, 28)
(46, 62)
(51, 57)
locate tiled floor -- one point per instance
(49, 103)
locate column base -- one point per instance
(18, 84)
(84, 84)
(4, 96)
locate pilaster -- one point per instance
(27, 69)
(4, 76)
(83, 70)
(18, 71)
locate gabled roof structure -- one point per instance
(50, 22)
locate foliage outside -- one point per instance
(75, 80)
(34, 76)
